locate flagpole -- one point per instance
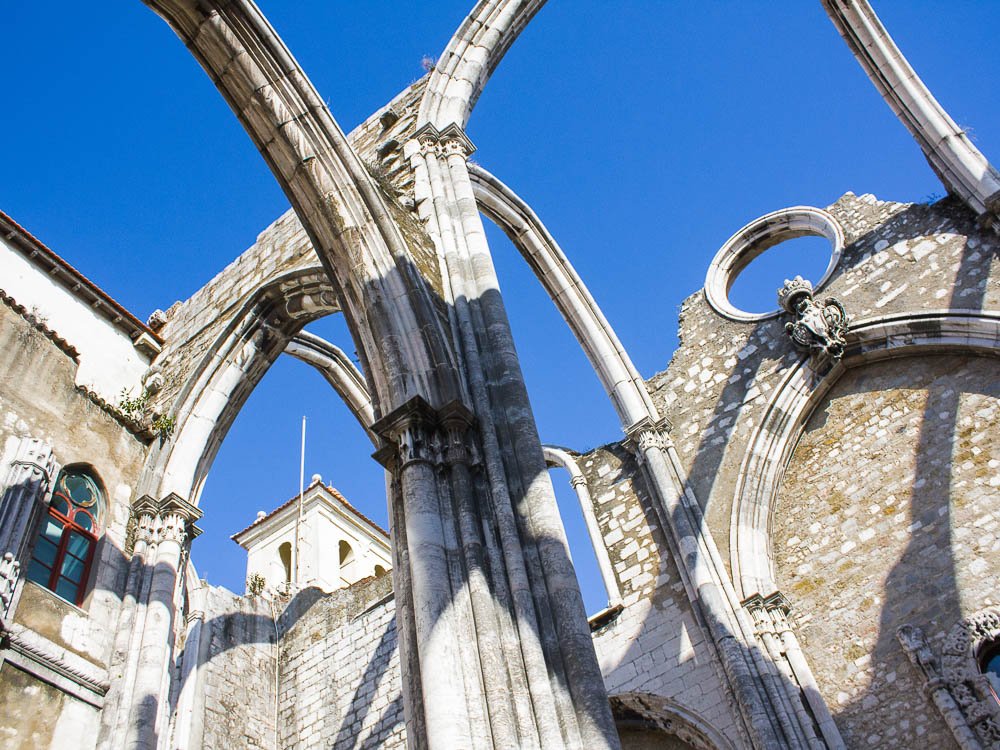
(298, 518)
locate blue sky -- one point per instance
(643, 134)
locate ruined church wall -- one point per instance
(340, 680)
(898, 258)
(237, 680)
(887, 516)
(654, 645)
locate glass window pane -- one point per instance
(78, 545)
(45, 551)
(72, 568)
(52, 530)
(67, 590)
(39, 573)
(60, 504)
(80, 490)
(84, 520)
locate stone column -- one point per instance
(171, 525)
(537, 611)
(187, 715)
(124, 654)
(778, 607)
(783, 685)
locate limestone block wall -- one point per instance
(897, 258)
(340, 681)
(240, 708)
(853, 563)
(888, 516)
(654, 646)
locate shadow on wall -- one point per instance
(921, 586)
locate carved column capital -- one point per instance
(418, 433)
(168, 519)
(578, 480)
(410, 435)
(446, 142)
(646, 434)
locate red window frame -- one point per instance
(69, 528)
(66, 520)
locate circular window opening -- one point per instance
(744, 278)
(755, 288)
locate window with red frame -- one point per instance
(67, 538)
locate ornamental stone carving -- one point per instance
(451, 140)
(646, 434)
(954, 680)
(417, 433)
(817, 328)
(9, 571)
(168, 520)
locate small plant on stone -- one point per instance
(133, 408)
(164, 425)
(256, 584)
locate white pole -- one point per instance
(298, 519)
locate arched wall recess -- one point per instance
(793, 402)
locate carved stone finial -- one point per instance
(817, 329)
(157, 319)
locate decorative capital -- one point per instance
(646, 434)
(445, 142)
(817, 328)
(421, 434)
(169, 519)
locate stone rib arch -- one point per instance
(226, 375)
(338, 370)
(612, 365)
(962, 168)
(654, 712)
(344, 213)
(775, 437)
(491, 622)
(470, 58)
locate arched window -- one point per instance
(380, 571)
(285, 553)
(346, 553)
(67, 538)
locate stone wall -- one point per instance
(888, 516)
(340, 677)
(654, 645)
(884, 516)
(240, 708)
(898, 258)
